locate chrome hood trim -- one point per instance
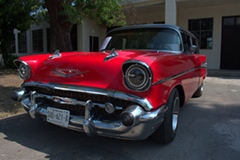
(56, 54)
(69, 72)
(112, 54)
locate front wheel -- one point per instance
(167, 131)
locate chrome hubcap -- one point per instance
(176, 105)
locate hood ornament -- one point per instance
(68, 72)
(56, 54)
(111, 55)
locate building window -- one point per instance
(238, 21)
(161, 22)
(22, 42)
(231, 21)
(48, 39)
(37, 37)
(73, 35)
(94, 43)
(203, 30)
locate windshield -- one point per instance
(144, 38)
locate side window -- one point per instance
(186, 42)
(117, 43)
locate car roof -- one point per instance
(177, 28)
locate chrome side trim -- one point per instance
(177, 75)
(170, 78)
(110, 93)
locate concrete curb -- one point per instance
(224, 73)
(12, 118)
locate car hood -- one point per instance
(92, 69)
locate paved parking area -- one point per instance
(209, 130)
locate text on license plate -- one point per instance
(58, 116)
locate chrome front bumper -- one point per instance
(144, 124)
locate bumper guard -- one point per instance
(145, 122)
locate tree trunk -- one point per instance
(60, 28)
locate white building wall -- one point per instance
(150, 17)
(170, 12)
(85, 30)
(90, 28)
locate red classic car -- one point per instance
(131, 89)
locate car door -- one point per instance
(192, 56)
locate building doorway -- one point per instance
(230, 50)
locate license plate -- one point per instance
(58, 116)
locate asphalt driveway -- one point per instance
(209, 130)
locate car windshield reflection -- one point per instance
(144, 39)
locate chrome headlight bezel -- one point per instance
(24, 69)
(137, 76)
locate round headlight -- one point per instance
(24, 71)
(137, 78)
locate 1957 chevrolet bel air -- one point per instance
(132, 89)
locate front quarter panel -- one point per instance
(174, 70)
(169, 70)
(34, 62)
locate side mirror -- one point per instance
(193, 49)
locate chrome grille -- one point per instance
(80, 110)
(80, 96)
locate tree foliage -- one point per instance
(15, 14)
(64, 13)
(61, 14)
(106, 12)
